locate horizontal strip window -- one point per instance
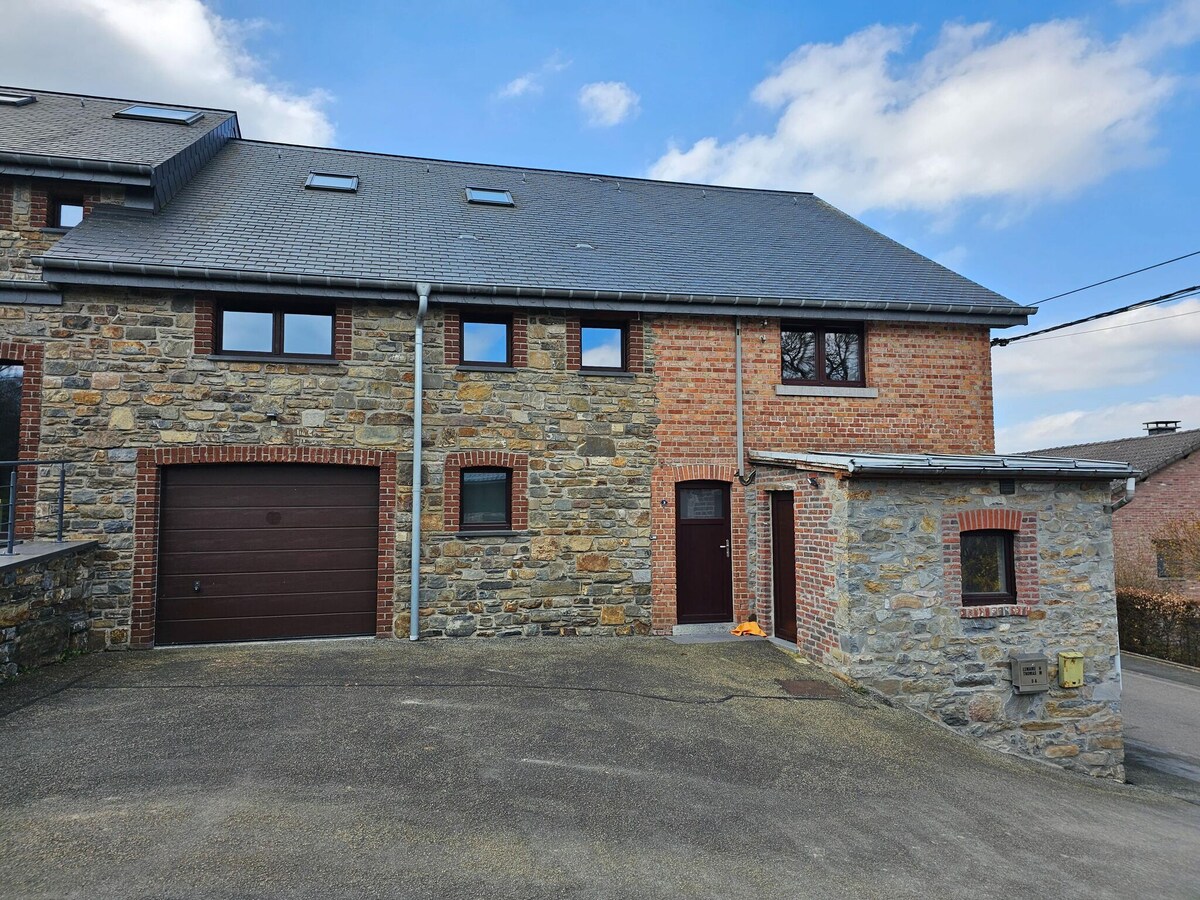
(282, 331)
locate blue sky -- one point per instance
(1032, 147)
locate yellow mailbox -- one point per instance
(1070, 669)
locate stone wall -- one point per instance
(24, 208)
(44, 596)
(904, 633)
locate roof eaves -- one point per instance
(99, 169)
(923, 465)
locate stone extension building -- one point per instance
(581, 404)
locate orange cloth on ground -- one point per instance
(749, 628)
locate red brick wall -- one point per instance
(30, 356)
(452, 483)
(1166, 497)
(145, 564)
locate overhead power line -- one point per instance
(1059, 337)
(1088, 287)
(1163, 298)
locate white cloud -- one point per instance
(1102, 354)
(169, 51)
(1019, 116)
(532, 82)
(1105, 423)
(608, 103)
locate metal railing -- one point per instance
(10, 498)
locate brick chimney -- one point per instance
(1163, 426)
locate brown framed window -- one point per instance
(486, 340)
(265, 329)
(988, 572)
(604, 344)
(822, 354)
(64, 212)
(485, 498)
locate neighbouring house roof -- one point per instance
(938, 464)
(247, 222)
(77, 137)
(1149, 453)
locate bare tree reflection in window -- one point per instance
(799, 355)
(843, 360)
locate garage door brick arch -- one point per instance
(150, 462)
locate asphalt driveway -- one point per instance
(1160, 707)
(535, 768)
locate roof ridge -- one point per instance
(78, 96)
(1135, 437)
(541, 169)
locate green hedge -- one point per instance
(1159, 624)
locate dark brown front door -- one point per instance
(250, 552)
(703, 553)
(783, 563)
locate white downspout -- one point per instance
(414, 587)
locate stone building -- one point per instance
(308, 392)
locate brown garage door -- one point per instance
(249, 552)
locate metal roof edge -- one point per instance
(866, 464)
(76, 271)
(76, 163)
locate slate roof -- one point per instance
(944, 465)
(1149, 453)
(73, 126)
(247, 216)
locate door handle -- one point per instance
(725, 547)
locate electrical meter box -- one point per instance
(1070, 669)
(1030, 673)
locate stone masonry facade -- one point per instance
(883, 606)
(25, 206)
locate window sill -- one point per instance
(488, 532)
(50, 229)
(473, 367)
(824, 390)
(606, 373)
(297, 360)
(995, 611)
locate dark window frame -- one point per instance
(469, 318)
(54, 209)
(1169, 562)
(821, 329)
(1010, 569)
(277, 311)
(463, 524)
(621, 325)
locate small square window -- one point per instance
(65, 213)
(489, 197)
(822, 354)
(485, 499)
(274, 331)
(986, 562)
(486, 340)
(604, 345)
(327, 181)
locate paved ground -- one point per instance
(590, 768)
(1160, 705)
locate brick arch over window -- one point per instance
(518, 463)
(1023, 525)
(662, 547)
(30, 358)
(145, 524)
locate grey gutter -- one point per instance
(854, 467)
(76, 165)
(76, 271)
(29, 293)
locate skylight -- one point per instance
(16, 99)
(160, 114)
(329, 181)
(489, 196)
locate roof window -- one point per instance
(489, 196)
(160, 114)
(16, 99)
(330, 181)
